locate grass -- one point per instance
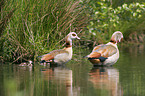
(37, 27)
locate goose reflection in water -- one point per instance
(61, 76)
(106, 78)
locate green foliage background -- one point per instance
(106, 19)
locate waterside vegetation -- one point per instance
(34, 27)
(31, 28)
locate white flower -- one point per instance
(119, 7)
(137, 4)
(134, 14)
(96, 12)
(138, 10)
(124, 5)
(139, 16)
(94, 33)
(90, 30)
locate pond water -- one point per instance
(78, 77)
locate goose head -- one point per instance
(72, 35)
(116, 37)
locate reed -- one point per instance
(37, 27)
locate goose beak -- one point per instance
(78, 37)
(120, 40)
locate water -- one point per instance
(78, 77)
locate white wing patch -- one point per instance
(61, 58)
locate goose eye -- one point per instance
(73, 34)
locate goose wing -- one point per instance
(52, 54)
(103, 50)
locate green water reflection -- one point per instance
(78, 77)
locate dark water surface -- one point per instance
(78, 77)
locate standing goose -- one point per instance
(62, 55)
(106, 54)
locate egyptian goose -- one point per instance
(63, 55)
(106, 54)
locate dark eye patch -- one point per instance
(73, 34)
